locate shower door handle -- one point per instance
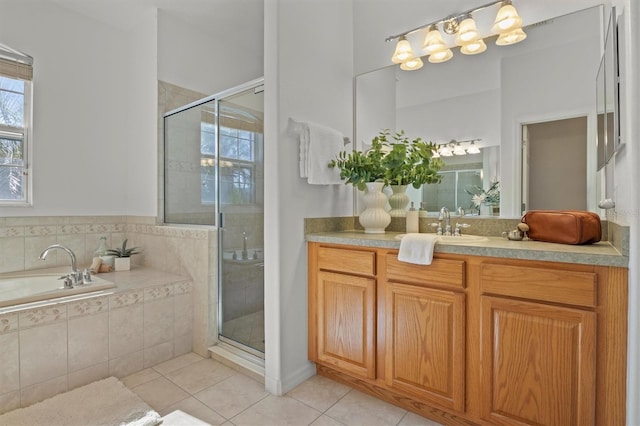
(220, 220)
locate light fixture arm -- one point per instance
(455, 18)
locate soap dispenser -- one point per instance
(422, 212)
(413, 220)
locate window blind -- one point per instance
(14, 64)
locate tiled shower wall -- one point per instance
(190, 252)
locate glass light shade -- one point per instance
(411, 64)
(439, 57)
(445, 151)
(468, 32)
(507, 20)
(403, 51)
(459, 150)
(473, 149)
(434, 42)
(474, 47)
(512, 37)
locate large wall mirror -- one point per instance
(495, 97)
(608, 95)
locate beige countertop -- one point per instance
(602, 253)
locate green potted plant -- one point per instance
(364, 169)
(361, 167)
(122, 261)
(409, 162)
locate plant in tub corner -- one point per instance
(122, 261)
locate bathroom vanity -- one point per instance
(498, 332)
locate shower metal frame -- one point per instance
(257, 83)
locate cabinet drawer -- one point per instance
(551, 285)
(347, 260)
(444, 272)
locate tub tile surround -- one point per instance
(182, 250)
(93, 338)
(163, 307)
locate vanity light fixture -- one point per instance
(403, 51)
(455, 147)
(440, 57)
(445, 151)
(459, 150)
(462, 31)
(411, 64)
(474, 47)
(473, 149)
(511, 37)
(507, 19)
(433, 42)
(468, 31)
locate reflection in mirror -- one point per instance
(549, 76)
(463, 177)
(553, 152)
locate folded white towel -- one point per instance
(318, 146)
(417, 248)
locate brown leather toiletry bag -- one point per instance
(563, 226)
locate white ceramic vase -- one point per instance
(374, 219)
(399, 200)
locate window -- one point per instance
(16, 73)
(238, 158)
(453, 191)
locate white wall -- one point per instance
(142, 141)
(308, 75)
(80, 116)
(626, 194)
(209, 60)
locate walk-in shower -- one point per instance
(214, 175)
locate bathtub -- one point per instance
(21, 289)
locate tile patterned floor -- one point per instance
(193, 391)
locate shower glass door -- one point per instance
(241, 205)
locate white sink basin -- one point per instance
(450, 239)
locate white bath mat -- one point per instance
(105, 402)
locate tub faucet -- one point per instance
(245, 253)
(444, 215)
(75, 275)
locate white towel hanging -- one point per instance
(318, 146)
(417, 248)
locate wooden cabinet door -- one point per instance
(425, 344)
(346, 323)
(538, 363)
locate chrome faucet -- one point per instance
(75, 275)
(245, 253)
(444, 215)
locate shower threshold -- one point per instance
(238, 359)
